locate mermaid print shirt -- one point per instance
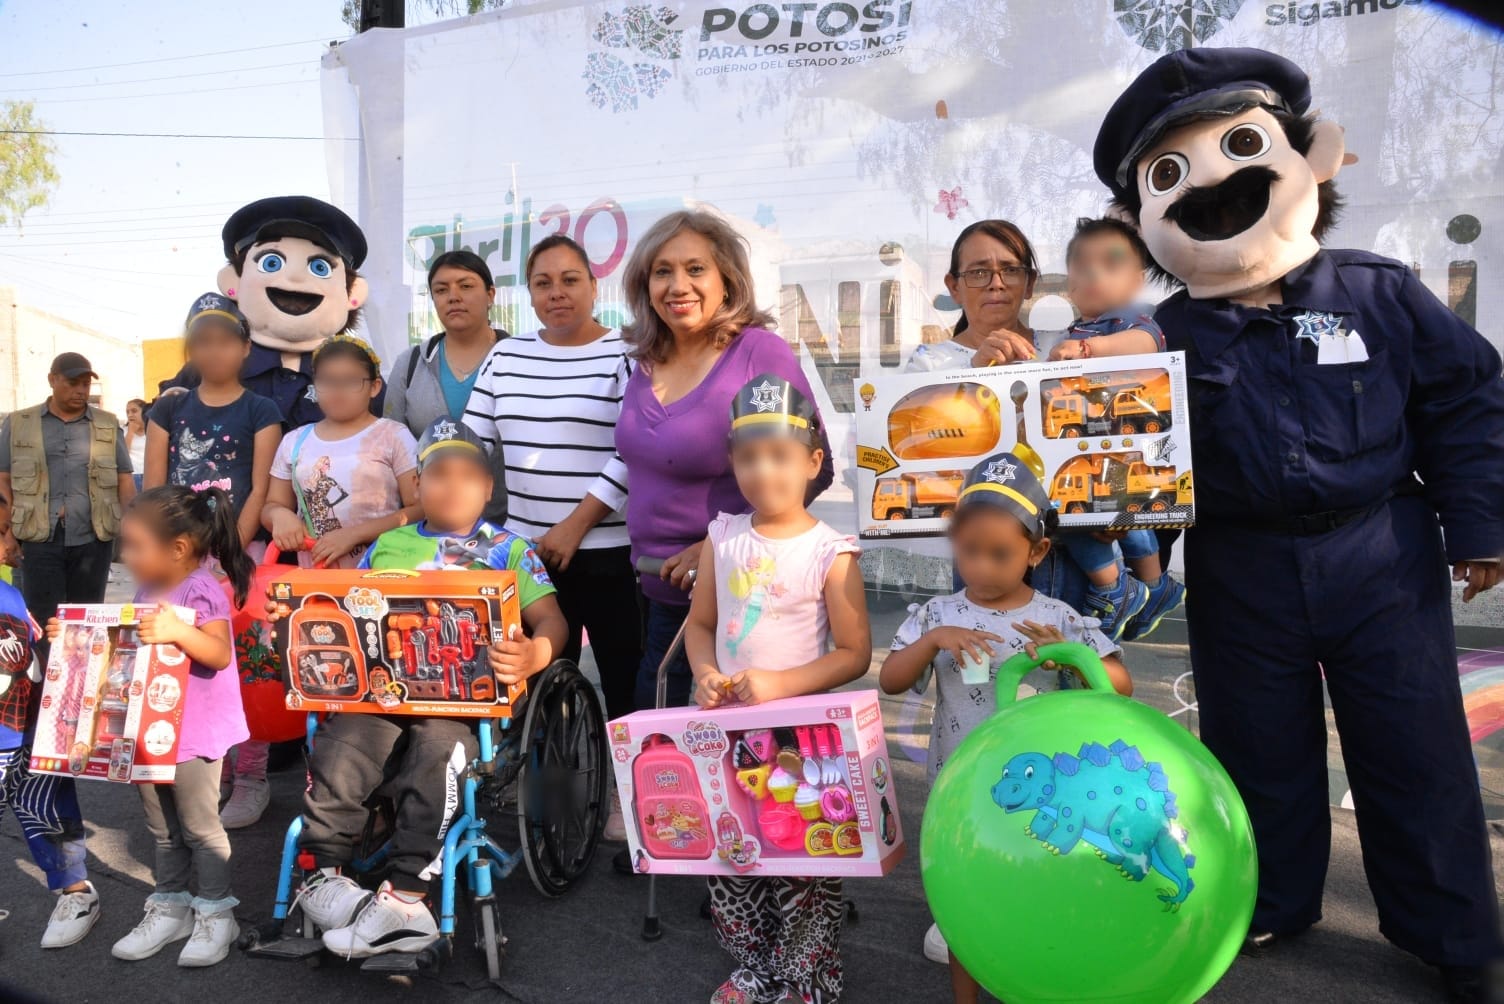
(770, 594)
(345, 482)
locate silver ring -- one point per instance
(690, 575)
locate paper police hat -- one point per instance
(295, 216)
(1190, 84)
(216, 307)
(1005, 481)
(769, 405)
(447, 438)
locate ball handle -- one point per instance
(1062, 653)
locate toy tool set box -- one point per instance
(393, 642)
(801, 786)
(112, 707)
(1109, 438)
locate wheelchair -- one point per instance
(551, 774)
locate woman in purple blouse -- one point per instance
(697, 336)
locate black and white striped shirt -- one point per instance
(553, 410)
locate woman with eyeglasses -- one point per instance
(991, 276)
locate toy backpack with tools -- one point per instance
(670, 807)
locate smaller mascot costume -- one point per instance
(290, 265)
(1348, 443)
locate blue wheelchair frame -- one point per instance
(467, 844)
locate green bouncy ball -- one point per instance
(1080, 846)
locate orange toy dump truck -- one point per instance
(917, 496)
(1116, 482)
(1113, 404)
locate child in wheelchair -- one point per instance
(419, 761)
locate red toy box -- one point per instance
(111, 708)
(801, 786)
(395, 642)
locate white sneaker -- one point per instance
(248, 800)
(388, 923)
(935, 948)
(213, 934)
(616, 827)
(163, 924)
(73, 917)
(330, 900)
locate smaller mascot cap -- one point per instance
(447, 438)
(216, 308)
(1005, 481)
(1190, 84)
(768, 405)
(295, 216)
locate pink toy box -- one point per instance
(111, 707)
(801, 786)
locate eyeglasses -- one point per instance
(981, 278)
(354, 383)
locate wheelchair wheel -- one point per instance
(562, 787)
(488, 938)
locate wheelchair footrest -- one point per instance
(290, 949)
(391, 962)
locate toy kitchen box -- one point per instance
(395, 642)
(112, 707)
(1109, 438)
(801, 786)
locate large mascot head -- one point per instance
(290, 266)
(1212, 154)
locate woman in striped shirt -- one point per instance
(549, 400)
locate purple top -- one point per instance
(676, 456)
(213, 719)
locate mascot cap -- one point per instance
(1191, 84)
(295, 216)
(446, 438)
(1004, 481)
(768, 405)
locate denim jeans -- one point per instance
(1091, 554)
(662, 624)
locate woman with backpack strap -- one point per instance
(433, 379)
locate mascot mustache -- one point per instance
(1226, 209)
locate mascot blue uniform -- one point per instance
(1348, 443)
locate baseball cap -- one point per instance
(72, 365)
(215, 307)
(446, 438)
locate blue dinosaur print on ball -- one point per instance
(1134, 830)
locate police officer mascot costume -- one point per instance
(290, 266)
(1348, 443)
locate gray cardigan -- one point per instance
(420, 403)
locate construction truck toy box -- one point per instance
(801, 786)
(1109, 438)
(111, 707)
(395, 642)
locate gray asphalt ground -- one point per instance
(586, 946)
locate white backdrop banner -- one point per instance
(851, 142)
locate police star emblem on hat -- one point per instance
(1005, 482)
(768, 405)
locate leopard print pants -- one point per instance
(784, 934)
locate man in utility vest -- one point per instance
(65, 468)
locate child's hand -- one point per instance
(511, 661)
(756, 686)
(1070, 348)
(1039, 634)
(288, 532)
(54, 629)
(712, 689)
(161, 627)
(963, 643)
(333, 546)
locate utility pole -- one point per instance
(382, 14)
